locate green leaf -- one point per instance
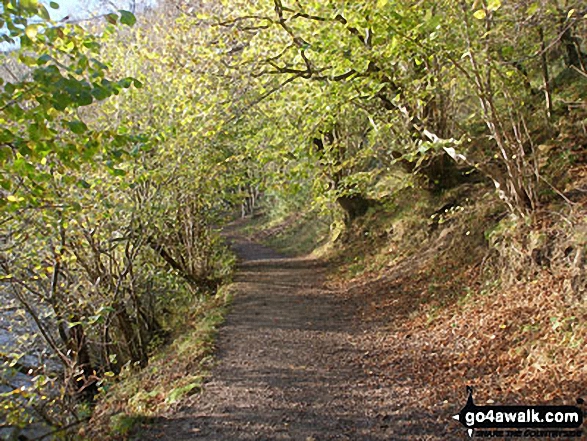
(61, 101)
(5, 154)
(125, 82)
(100, 93)
(177, 393)
(54, 5)
(381, 3)
(43, 13)
(532, 9)
(77, 127)
(85, 98)
(43, 59)
(127, 18)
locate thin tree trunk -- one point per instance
(545, 75)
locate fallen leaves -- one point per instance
(524, 344)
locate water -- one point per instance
(19, 334)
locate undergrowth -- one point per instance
(175, 371)
(466, 295)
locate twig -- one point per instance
(580, 71)
(61, 429)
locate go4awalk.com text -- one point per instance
(520, 421)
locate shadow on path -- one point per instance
(288, 367)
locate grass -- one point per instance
(295, 235)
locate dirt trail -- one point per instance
(289, 366)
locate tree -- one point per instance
(425, 77)
(85, 211)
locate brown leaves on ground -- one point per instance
(432, 324)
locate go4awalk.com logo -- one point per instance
(520, 421)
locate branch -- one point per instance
(61, 429)
(263, 97)
(183, 272)
(345, 75)
(234, 21)
(351, 29)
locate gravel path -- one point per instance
(290, 366)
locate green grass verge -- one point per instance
(294, 235)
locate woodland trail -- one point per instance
(289, 366)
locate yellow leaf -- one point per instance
(31, 31)
(12, 198)
(29, 5)
(381, 3)
(493, 5)
(479, 14)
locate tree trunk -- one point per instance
(85, 376)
